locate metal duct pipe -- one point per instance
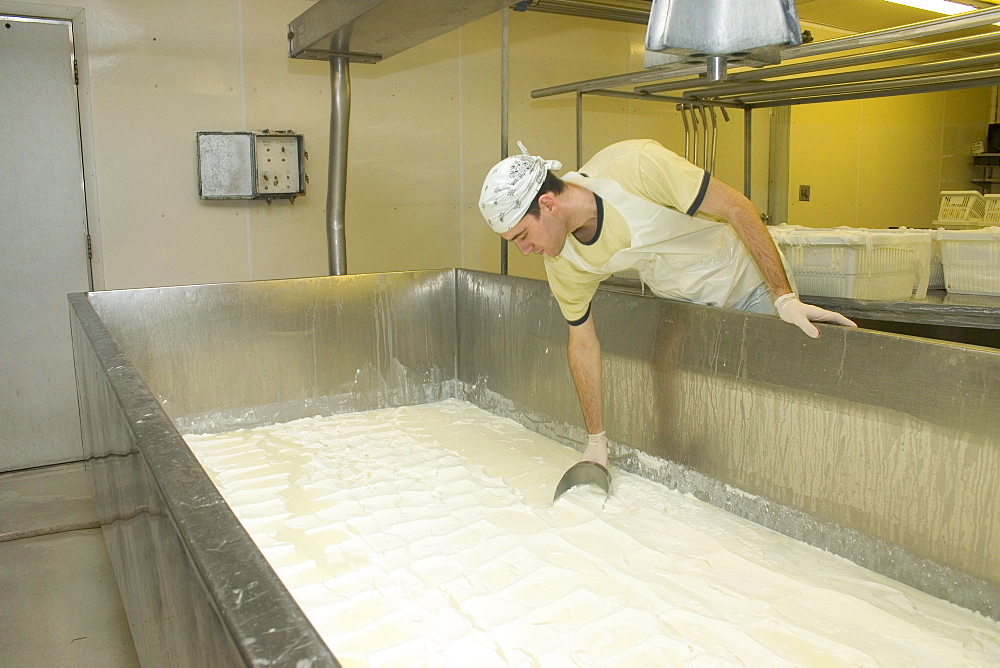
(336, 191)
(504, 139)
(831, 63)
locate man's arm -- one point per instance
(727, 203)
(584, 352)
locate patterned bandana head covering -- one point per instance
(510, 188)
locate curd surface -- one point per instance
(426, 536)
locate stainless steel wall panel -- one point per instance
(196, 590)
(512, 354)
(859, 442)
(242, 354)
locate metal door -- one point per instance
(43, 242)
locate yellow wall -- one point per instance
(882, 162)
(425, 128)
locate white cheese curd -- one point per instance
(426, 536)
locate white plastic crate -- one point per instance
(881, 265)
(971, 260)
(961, 206)
(954, 225)
(991, 210)
(936, 279)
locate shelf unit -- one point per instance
(988, 162)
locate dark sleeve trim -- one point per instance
(600, 221)
(700, 197)
(580, 321)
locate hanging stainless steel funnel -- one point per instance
(719, 30)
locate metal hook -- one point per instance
(687, 131)
(694, 134)
(715, 127)
(704, 137)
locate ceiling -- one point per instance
(861, 16)
(868, 15)
(850, 16)
(854, 16)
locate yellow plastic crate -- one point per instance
(961, 206)
(991, 212)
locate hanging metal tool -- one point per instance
(715, 129)
(687, 132)
(704, 137)
(694, 135)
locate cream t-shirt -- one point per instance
(642, 167)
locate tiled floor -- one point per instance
(59, 603)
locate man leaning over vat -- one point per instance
(637, 205)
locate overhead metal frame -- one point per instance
(673, 71)
(831, 80)
(365, 31)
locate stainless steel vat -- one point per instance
(879, 447)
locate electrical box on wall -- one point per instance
(251, 165)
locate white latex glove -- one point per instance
(597, 449)
(791, 310)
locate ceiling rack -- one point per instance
(673, 71)
(831, 79)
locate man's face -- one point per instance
(537, 234)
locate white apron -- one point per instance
(676, 255)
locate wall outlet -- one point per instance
(278, 164)
(804, 193)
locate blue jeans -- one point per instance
(758, 301)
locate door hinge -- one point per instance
(90, 249)
(76, 73)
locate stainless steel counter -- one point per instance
(938, 308)
(969, 319)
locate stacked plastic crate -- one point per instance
(879, 265)
(969, 242)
